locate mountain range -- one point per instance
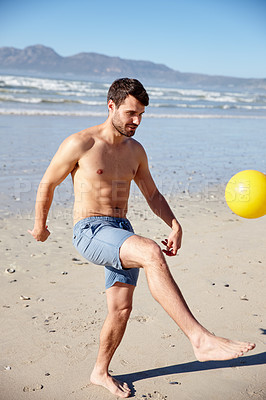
(39, 60)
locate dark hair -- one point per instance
(121, 88)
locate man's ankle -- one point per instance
(99, 370)
(197, 337)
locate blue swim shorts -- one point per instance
(99, 239)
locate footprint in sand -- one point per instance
(140, 318)
(32, 389)
(155, 396)
(166, 335)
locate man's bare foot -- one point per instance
(210, 347)
(117, 388)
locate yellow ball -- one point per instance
(245, 194)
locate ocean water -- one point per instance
(35, 96)
(195, 139)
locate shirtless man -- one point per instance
(103, 160)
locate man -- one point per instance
(103, 160)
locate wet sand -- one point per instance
(53, 306)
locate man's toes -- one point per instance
(125, 387)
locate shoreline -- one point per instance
(16, 205)
(50, 335)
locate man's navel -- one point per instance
(99, 171)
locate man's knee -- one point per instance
(138, 252)
(125, 312)
(119, 300)
(121, 313)
(153, 253)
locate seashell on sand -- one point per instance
(24, 297)
(10, 270)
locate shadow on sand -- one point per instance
(194, 366)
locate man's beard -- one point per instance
(122, 130)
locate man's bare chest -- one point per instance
(107, 165)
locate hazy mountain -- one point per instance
(44, 61)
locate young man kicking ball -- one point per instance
(103, 160)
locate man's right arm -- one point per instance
(61, 165)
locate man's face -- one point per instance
(127, 117)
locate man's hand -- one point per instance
(173, 243)
(40, 234)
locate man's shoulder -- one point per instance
(86, 134)
(136, 145)
(83, 139)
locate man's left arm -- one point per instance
(159, 206)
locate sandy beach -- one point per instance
(53, 308)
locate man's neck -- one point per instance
(110, 134)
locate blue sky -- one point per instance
(217, 37)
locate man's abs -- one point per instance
(101, 200)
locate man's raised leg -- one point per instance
(119, 302)
(137, 251)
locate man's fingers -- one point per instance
(168, 253)
(40, 237)
(175, 248)
(165, 242)
(171, 248)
